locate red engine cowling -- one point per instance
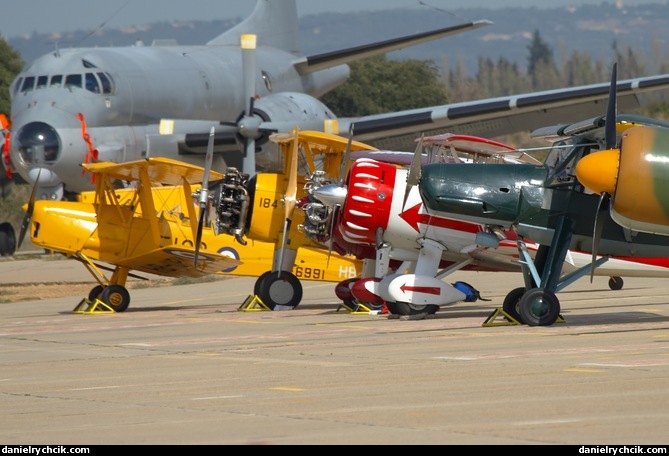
(368, 201)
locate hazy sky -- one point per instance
(46, 16)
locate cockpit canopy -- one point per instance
(98, 82)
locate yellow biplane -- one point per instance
(264, 208)
(153, 226)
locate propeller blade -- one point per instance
(333, 221)
(611, 111)
(29, 212)
(602, 210)
(347, 153)
(204, 194)
(609, 142)
(413, 178)
(290, 198)
(248, 44)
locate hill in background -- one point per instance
(587, 28)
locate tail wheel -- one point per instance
(511, 304)
(539, 307)
(616, 283)
(116, 296)
(283, 290)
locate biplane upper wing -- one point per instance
(160, 170)
(459, 146)
(177, 261)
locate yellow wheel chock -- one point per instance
(86, 306)
(490, 321)
(253, 304)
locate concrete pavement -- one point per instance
(184, 366)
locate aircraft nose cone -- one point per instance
(331, 195)
(598, 172)
(37, 143)
(249, 127)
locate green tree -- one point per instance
(380, 85)
(541, 65)
(10, 65)
(11, 201)
(462, 87)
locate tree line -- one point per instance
(379, 84)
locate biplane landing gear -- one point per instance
(274, 289)
(95, 293)
(115, 296)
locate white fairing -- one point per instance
(419, 290)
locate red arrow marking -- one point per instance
(413, 218)
(429, 290)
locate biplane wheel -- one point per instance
(511, 302)
(7, 239)
(95, 293)
(404, 308)
(283, 290)
(259, 281)
(616, 283)
(539, 307)
(116, 297)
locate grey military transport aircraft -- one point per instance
(119, 104)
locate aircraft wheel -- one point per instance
(284, 290)
(539, 307)
(392, 308)
(616, 283)
(116, 297)
(259, 281)
(343, 292)
(7, 239)
(95, 293)
(404, 308)
(510, 304)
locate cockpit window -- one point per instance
(28, 84)
(56, 80)
(73, 80)
(41, 82)
(19, 81)
(99, 82)
(87, 64)
(92, 83)
(106, 83)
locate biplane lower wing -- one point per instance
(177, 261)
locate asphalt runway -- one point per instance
(183, 365)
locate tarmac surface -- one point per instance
(183, 366)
